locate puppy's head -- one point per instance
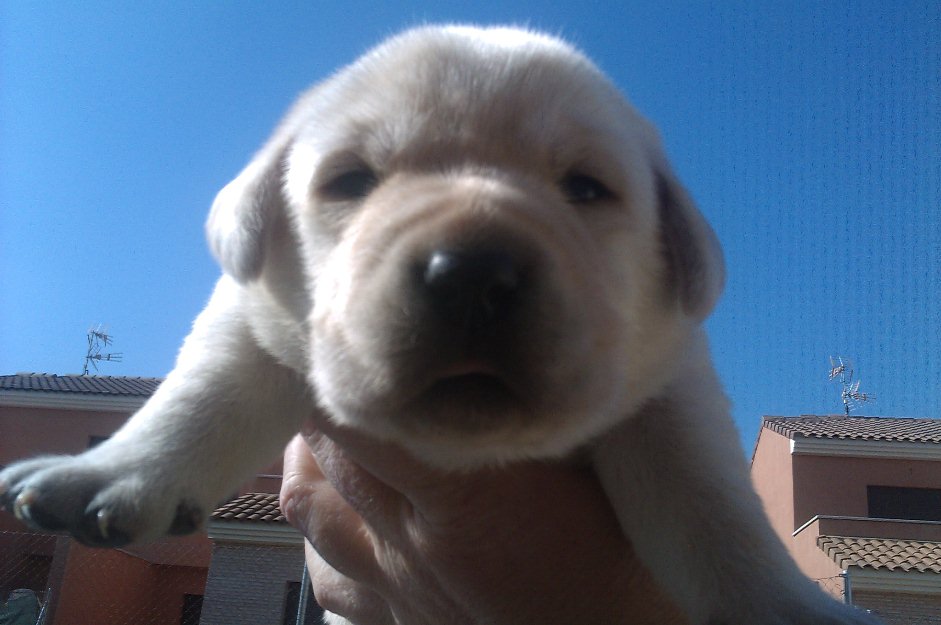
(502, 263)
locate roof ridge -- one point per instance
(138, 386)
(35, 374)
(854, 427)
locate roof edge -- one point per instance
(871, 527)
(22, 398)
(254, 532)
(883, 580)
(865, 448)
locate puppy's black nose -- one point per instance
(472, 288)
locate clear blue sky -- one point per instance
(810, 135)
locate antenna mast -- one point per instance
(96, 339)
(843, 368)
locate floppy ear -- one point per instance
(695, 269)
(243, 211)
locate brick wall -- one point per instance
(901, 608)
(247, 583)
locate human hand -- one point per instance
(396, 542)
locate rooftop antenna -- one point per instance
(842, 368)
(98, 338)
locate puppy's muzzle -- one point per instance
(471, 290)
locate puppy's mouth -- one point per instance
(469, 392)
(472, 380)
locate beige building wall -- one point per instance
(837, 485)
(772, 476)
(807, 496)
(26, 431)
(828, 485)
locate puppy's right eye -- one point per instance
(583, 189)
(354, 184)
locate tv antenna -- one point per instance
(843, 368)
(98, 338)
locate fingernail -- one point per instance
(294, 512)
(309, 428)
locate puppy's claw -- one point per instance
(30, 508)
(104, 522)
(189, 518)
(22, 504)
(99, 528)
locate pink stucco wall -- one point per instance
(795, 488)
(837, 485)
(27, 431)
(772, 476)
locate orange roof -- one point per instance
(883, 553)
(258, 507)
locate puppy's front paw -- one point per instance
(102, 504)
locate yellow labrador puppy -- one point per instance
(467, 243)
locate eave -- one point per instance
(70, 401)
(280, 534)
(862, 448)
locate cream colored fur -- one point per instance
(458, 138)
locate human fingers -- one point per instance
(381, 481)
(312, 505)
(385, 462)
(379, 505)
(343, 596)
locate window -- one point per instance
(30, 572)
(897, 502)
(192, 608)
(314, 614)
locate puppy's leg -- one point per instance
(680, 487)
(226, 409)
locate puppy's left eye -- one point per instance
(584, 189)
(351, 185)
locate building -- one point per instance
(255, 554)
(857, 501)
(250, 555)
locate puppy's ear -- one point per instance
(244, 210)
(696, 271)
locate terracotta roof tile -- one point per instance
(858, 428)
(883, 553)
(82, 384)
(258, 507)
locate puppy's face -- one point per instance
(499, 263)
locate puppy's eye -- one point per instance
(584, 189)
(354, 184)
